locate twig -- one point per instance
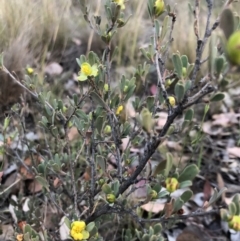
(208, 31)
(201, 43)
(173, 16)
(180, 217)
(112, 118)
(35, 96)
(10, 186)
(161, 86)
(92, 159)
(72, 168)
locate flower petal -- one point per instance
(94, 70)
(85, 234)
(82, 77)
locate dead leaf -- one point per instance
(174, 145)
(188, 236)
(34, 187)
(221, 185)
(225, 119)
(153, 207)
(57, 182)
(25, 170)
(7, 232)
(169, 208)
(73, 133)
(208, 128)
(234, 151)
(1, 174)
(207, 190)
(53, 69)
(162, 119)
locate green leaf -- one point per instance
(67, 222)
(184, 59)
(27, 229)
(168, 164)
(179, 91)
(177, 63)
(188, 173)
(160, 167)
(153, 238)
(157, 187)
(213, 198)
(189, 115)
(157, 27)
(43, 182)
(185, 184)
(164, 28)
(224, 214)
(157, 228)
(90, 226)
(98, 100)
(106, 189)
(99, 124)
(101, 162)
(91, 58)
(188, 85)
(115, 187)
(178, 204)
(227, 22)
(219, 64)
(150, 102)
(217, 97)
(186, 195)
(162, 194)
(236, 198)
(189, 69)
(232, 209)
(145, 237)
(82, 115)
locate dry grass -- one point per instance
(39, 24)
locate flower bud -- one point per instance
(234, 223)
(125, 89)
(168, 82)
(158, 8)
(171, 184)
(107, 129)
(111, 198)
(184, 72)
(101, 181)
(119, 110)
(106, 87)
(153, 194)
(233, 48)
(172, 101)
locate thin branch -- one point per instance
(198, 213)
(170, 39)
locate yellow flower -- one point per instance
(172, 101)
(87, 70)
(19, 237)
(30, 70)
(171, 184)
(78, 231)
(120, 3)
(119, 110)
(158, 7)
(234, 223)
(233, 48)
